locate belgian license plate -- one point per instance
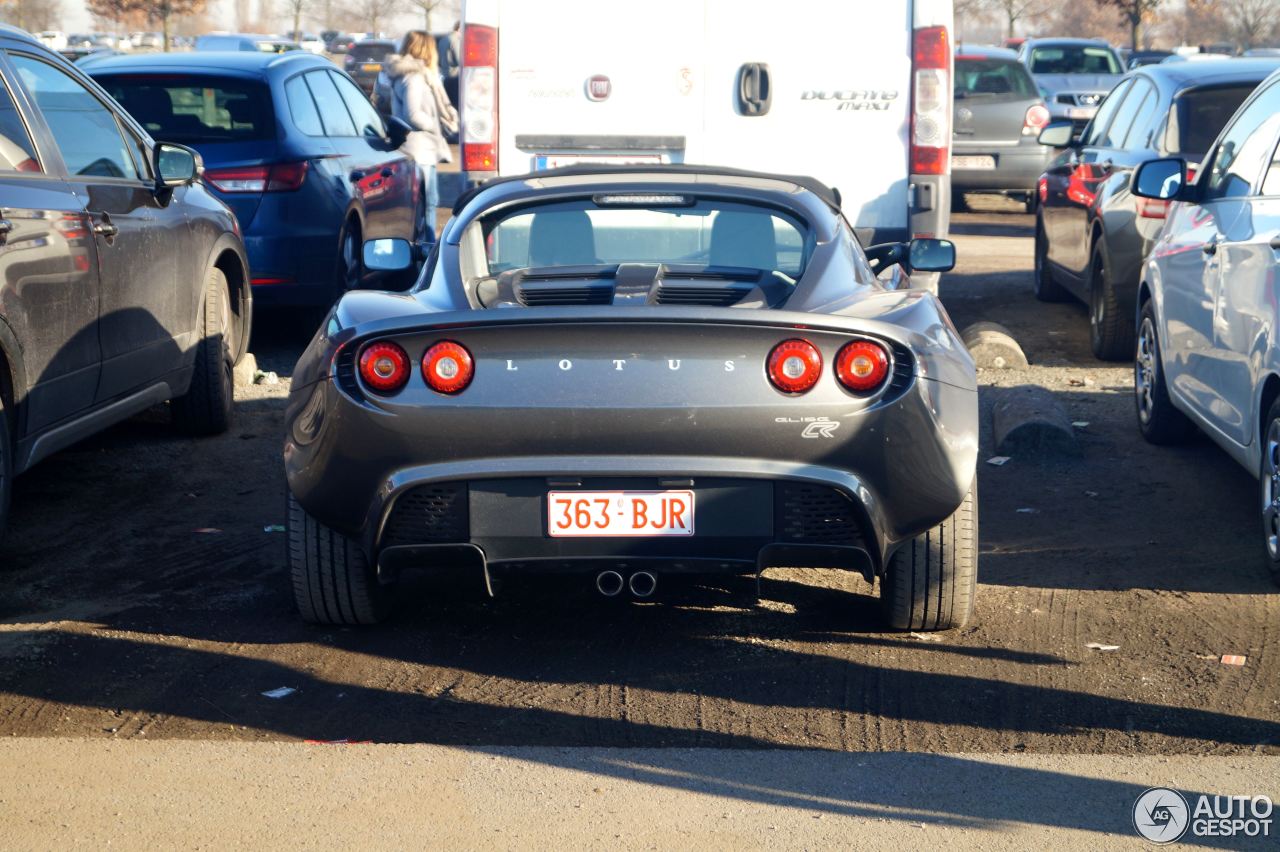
(1081, 112)
(973, 162)
(555, 161)
(572, 514)
(371, 66)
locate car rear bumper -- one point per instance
(1017, 169)
(742, 525)
(291, 267)
(395, 482)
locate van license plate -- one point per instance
(555, 161)
(573, 514)
(979, 163)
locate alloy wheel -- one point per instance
(1144, 370)
(1271, 490)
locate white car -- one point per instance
(53, 39)
(858, 95)
(1208, 315)
(312, 43)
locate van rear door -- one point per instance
(838, 100)
(578, 83)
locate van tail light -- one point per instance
(281, 177)
(478, 88)
(1155, 208)
(1036, 119)
(447, 367)
(384, 366)
(931, 102)
(862, 366)
(794, 366)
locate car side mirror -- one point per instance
(176, 165)
(930, 255)
(919, 255)
(1058, 134)
(1161, 179)
(388, 255)
(398, 130)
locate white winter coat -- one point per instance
(418, 98)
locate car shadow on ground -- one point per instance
(164, 681)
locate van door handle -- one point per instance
(755, 92)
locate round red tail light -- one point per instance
(862, 366)
(794, 366)
(447, 367)
(384, 366)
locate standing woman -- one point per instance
(418, 98)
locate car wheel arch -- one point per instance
(229, 259)
(1270, 392)
(13, 382)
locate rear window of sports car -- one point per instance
(614, 228)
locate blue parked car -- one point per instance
(294, 148)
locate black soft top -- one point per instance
(830, 196)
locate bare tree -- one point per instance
(1251, 21)
(295, 8)
(1134, 13)
(159, 11)
(426, 7)
(32, 15)
(1018, 10)
(376, 11)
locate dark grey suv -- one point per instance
(1092, 233)
(123, 282)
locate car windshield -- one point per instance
(372, 52)
(621, 228)
(1074, 59)
(193, 108)
(1198, 116)
(992, 79)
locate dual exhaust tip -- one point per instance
(642, 584)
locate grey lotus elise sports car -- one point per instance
(632, 371)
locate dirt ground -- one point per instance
(143, 595)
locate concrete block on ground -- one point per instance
(993, 346)
(1028, 420)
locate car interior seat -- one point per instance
(562, 238)
(743, 239)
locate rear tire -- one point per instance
(1269, 478)
(1111, 335)
(208, 405)
(333, 582)
(6, 465)
(1046, 289)
(1158, 421)
(350, 270)
(931, 582)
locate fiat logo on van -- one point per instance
(598, 87)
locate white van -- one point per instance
(856, 93)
